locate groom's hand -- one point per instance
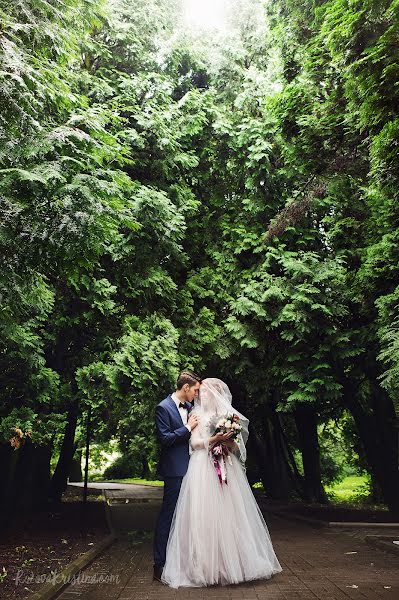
(192, 421)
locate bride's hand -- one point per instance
(231, 445)
(221, 437)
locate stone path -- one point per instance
(326, 564)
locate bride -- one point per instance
(218, 534)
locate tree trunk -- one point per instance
(298, 479)
(60, 476)
(376, 492)
(32, 477)
(75, 472)
(387, 445)
(145, 468)
(377, 430)
(278, 478)
(252, 463)
(306, 424)
(42, 475)
(269, 447)
(9, 458)
(26, 478)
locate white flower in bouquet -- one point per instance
(229, 423)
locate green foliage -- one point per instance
(39, 428)
(123, 467)
(90, 240)
(224, 203)
(389, 337)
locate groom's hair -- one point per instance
(187, 377)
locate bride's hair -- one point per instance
(187, 377)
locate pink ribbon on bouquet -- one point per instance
(218, 453)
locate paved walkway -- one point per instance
(327, 564)
(109, 485)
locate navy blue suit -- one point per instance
(173, 437)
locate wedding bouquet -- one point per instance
(230, 423)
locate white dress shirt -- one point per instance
(183, 411)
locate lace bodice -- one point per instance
(201, 434)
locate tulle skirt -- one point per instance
(218, 534)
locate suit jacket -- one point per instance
(173, 437)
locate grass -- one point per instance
(137, 480)
(353, 488)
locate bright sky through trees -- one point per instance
(209, 14)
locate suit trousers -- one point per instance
(171, 491)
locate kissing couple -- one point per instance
(210, 529)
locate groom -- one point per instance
(174, 426)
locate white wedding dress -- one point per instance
(218, 534)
